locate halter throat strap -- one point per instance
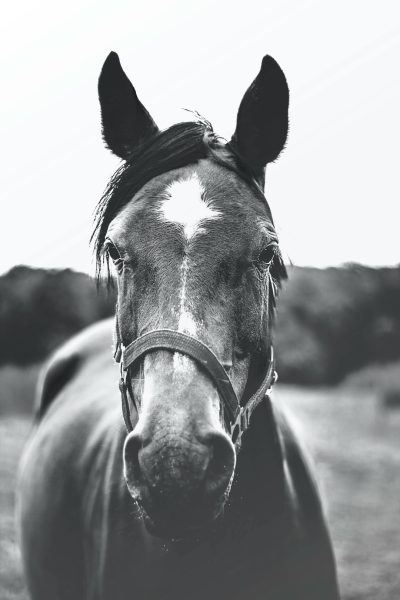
(237, 417)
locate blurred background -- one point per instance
(334, 194)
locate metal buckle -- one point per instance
(240, 424)
(273, 381)
(242, 421)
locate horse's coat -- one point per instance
(173, 510)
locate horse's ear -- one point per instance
(125, 120)
(262, 121)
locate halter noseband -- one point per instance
(237, 417)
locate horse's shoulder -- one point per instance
(300, 469)
(69, 359)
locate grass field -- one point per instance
(13, 433)
(356, 447)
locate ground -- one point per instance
(355, 444)
(13, 433)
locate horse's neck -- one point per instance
(259, 485)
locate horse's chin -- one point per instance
(178, 532)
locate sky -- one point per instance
(334, 192)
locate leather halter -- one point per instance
(237, 417)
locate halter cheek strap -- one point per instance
(237, 417)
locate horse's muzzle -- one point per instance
(180, 482)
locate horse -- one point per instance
(200, 488)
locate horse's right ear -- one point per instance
(125, 120)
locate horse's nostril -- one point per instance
(221, 465)
(132, 446)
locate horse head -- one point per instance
(191, 236)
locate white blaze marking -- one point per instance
(186, 322)
(185, 205)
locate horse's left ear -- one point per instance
(262, 121)
(125, 120)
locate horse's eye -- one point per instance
(267, 255)
(113, 252)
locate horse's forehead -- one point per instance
(191, 197)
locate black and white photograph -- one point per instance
(200, 300)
